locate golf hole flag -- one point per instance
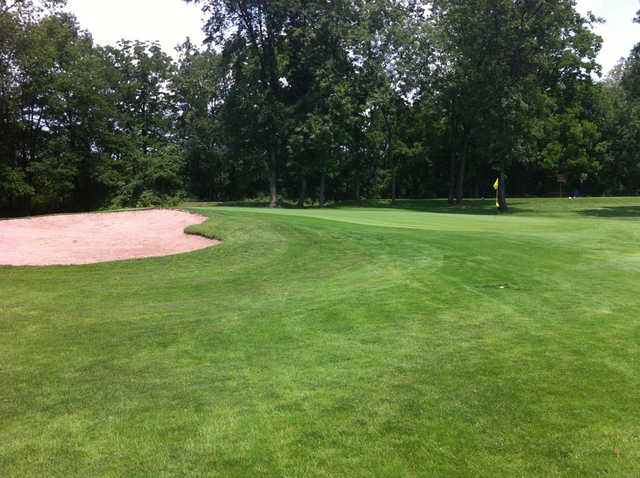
(495, 186)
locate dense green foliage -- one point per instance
(337, 342)
(346, 99)
(82, 127)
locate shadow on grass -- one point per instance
(259, 204)
(477, 207)
(484, 207)
(612, 211)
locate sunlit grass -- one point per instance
(419, 341)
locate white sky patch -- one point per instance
(168, 22)
(619, 33)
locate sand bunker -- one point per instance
(91, 238)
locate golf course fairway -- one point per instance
(416, 341)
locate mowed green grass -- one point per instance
(337, 342)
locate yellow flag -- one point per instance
(495, 185)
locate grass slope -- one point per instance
(337, 342)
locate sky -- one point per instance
(167, 21)
(170, 21)
(619, 33)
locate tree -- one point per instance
(495, 54)
(250, 32)
(49, 81)
(143, 148)
(618, 104)
(317, 74)
(81, 125)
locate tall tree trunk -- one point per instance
(391, 160)
(357, 186)
(322, 189)
(452, 177)
(394, 168)
(502, 201)
(462, 170)
(460, 180)
(452, 161)
(273, 180)
(28, 199)
(303, 192)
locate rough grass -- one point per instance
(421, 341)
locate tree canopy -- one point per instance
(303, 101)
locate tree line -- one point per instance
(298, 101)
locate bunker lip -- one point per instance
(73, 239)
